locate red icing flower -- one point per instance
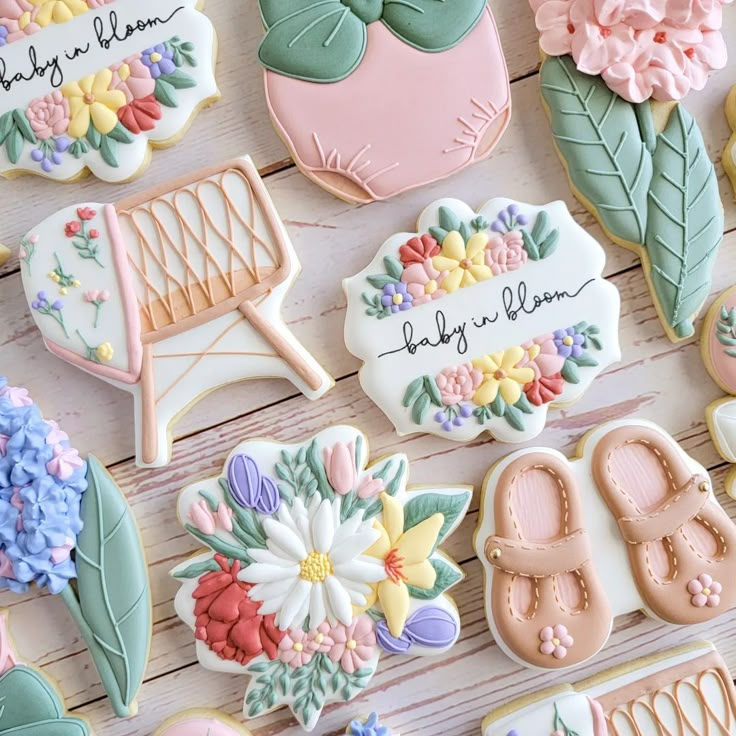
(545, 389)
(94, 234)
(86, 213)
(72, 228)
(228, 620)
(417, 250)
(140, 115)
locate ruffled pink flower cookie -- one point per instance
(611, 80)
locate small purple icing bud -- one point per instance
(62, 144)
(42, 296)
(498, 227)
(447, 426)
(440, 417)
(389, 643)
(269, 498)
(36, 304)
(244, 480)
(513, 732)
(58, 305)
(432, 627)
(458, 421)
(504, 217)
(47, 166)
(466, 411)
(513, 209)
(37, 155)
(522, 220)
(56, 158)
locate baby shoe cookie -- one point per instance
(641, 169)
(93, 88)
(482, 321)
(318, 563)
(170, 294)
(66, 526)
(201, 722)
(343, 79)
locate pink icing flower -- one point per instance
(224, 516)
(458, 383)
(645, 14)
(61, 554)
(294, 649)
(17, 503)
(6, 566)
(506, 253)
(423, 282)
(64, 463)
(354, 644)
(133, 78)
(555, 641)
(57, 435)
(49, 115)
(18, 18)
(17, 396)
(555, 29)
(542, 356)
(340, 467)
(370, 487)
(96, 295)
(202, 517)
(705, 591)
(3, 444)
(320, 640)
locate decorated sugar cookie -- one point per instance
(170, 294)
(634, 156)
(4, 254)
(30, 703)
(65, 526)
(482, 321)
(683, 690)
(318, 564)
(94, 85)
(201, 722)
(729, 154)
(718, 348)
(630, 524)
(370, 726)
(343, 81)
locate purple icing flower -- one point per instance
(508, 220)
(249, 488)
(159, 60)
(397, 297)
(569, 343)
(50, 153)
(389, 643)
(432, 627)
(4, 33)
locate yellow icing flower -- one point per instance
(92, 99)
(104, 352)
(501, 375)
(405, 557)
(58, 11)
(465, 263)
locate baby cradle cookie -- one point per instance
(481, 321)
(65, 526)
(634, 156)
(201, 722)
(649, 696)
(92, 86)
(343, 79)
(170, 294)
(318, 564)
(729, 154)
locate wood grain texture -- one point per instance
(656, 380)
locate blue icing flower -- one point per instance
(371, 727)
(41, 486)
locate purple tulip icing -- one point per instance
(431, 627)
(389, 643)
(249, 488)
(269, 499)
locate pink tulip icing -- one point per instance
(643, 49)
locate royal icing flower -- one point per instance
(404, 556)
(502, 375)
(354, 644)
(506, 253)
(544, 389)
(547, 360)
(369, 727)
(228, 620)
(569, 343)
(458, 383)
(159, 60)
(320, 639)
(58, 11)
(555, 641)
(370, 487)
(133, 78)
(49, 115)
(340, 467)
(105, 352)
(705, 591)
(464, 262)
(17, 20)
(315, 565)
(92, 101)
(65, 462)
(294, 649)
(423, 282)
(397, 297)
(140, 115)
(418, 250)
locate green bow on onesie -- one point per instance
(325, 40)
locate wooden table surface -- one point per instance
(656, 380)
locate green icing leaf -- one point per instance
(447, 576)
(121, 134)
(114, 602)
(179, 80)
(449, 221)
(452, 506)
(393, 267)
(322, 42)
(14, 145)
(197, 569)
(94, 137)
(109, 151)
(420, 408)
(430, 25)
(23, 125)
(598, 135)
(412, 392)
(165, 93)
(6, 125)
(685, 222)
(514, 417)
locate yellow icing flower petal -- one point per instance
(24, 20)
(45, 14)
(85, 84)
(394, 599)
(510, 390)
(393, 518)
(521, 375)
(382, 546)
(451, 282)
(417, 543)
(124, 72)
(511, 358)
(103, 118)
(468, 278)
(481, 272)
(476, 245)
(79, 124)
(453, 246)
(421, 575)
(101, 82)
(442, 263)
(72, 90)
(487, 393)
(114, 99)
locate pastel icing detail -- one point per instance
(555, 641)
(652, 190)
(659, 50)
(197, 722)
(317, 590)
(65, 525)
(327, 65)
(705, 591)
(729, 154)
(97, 99)
(170, 294)
(369, 727)
(474, 336)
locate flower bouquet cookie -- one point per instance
(318, 564)
(343, 79)
(612, 76)
(170, 294)
(482, 321)
(94, 85)
(65, 526)
(631, 523)
(684, 690)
